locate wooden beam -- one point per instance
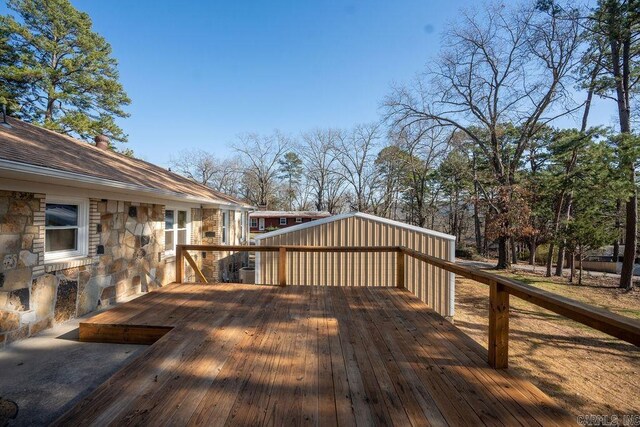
(290, 248)
(498, 326)
(195, 267)
(179, 263)
(400, 270)
(282, 266)
(621, 327)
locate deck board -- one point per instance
(261, 355)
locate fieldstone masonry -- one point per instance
(126, 257)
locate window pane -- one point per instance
(168, 220)
(182, 219)
(182, 237)
(61, 240)
(57, 215)
(168, 240)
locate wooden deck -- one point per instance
(256, 355)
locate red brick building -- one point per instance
(262, 221)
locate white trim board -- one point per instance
(26, 172)
(358, 215)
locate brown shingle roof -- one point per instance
(33, 145)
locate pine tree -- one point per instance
(70, 77)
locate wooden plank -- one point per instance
(411, 389)
(391, 385)
(179, 264)
(217, 404)
(344, 407)
(195, 267)
(256, 355)
(327, 408)
(498, 326)
(518, 395)
(282, 267)
(177, 402)
(400, 269)
(251, 404)
(359, 362)
(454, 407)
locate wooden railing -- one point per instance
(500, 289)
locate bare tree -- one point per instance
(425, 145)
(499, 65)
(260, 155)
(320, 164)
(203, 167)
(356, 152)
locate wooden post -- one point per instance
(400, 269)
(179, 264)
(282, 266)
(498, 326)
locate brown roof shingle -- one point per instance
(33, 145)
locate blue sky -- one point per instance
(201, 72)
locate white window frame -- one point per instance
(254, 222)
(285, 221)
(298, 220)
(261, 224)
(224, 229)
(175, 209)
(83, 230)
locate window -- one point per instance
(283, 221)
(298, 220)
(66, 223)
(261, 224)
(254, 222)
(176, 229)
(225, 226)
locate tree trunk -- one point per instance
(550, 259)
(630, 242)
(618, 226)
(514, 252)
(580, 274)
(560, 260)
(572, 267)
(533, 246)
(503, 258)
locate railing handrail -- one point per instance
(613, 324)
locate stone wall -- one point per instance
(126, 246)
(211, 235)
(21, 240)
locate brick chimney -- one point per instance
(102, 142)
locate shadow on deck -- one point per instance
(250, 354)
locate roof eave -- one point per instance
(103, 183)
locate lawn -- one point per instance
(587, 371)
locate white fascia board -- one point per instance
(26, 172)
(355, 214)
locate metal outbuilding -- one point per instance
(432, 285)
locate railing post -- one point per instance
(400, 269)
(282, 266)
(179, 264)
(498, 326)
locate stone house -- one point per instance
(82, 227)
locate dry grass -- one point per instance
(586, 371)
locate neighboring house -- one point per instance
(434, 286)
(82, 227)
(262, 221)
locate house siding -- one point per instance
(271, 223)
(432, 285)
